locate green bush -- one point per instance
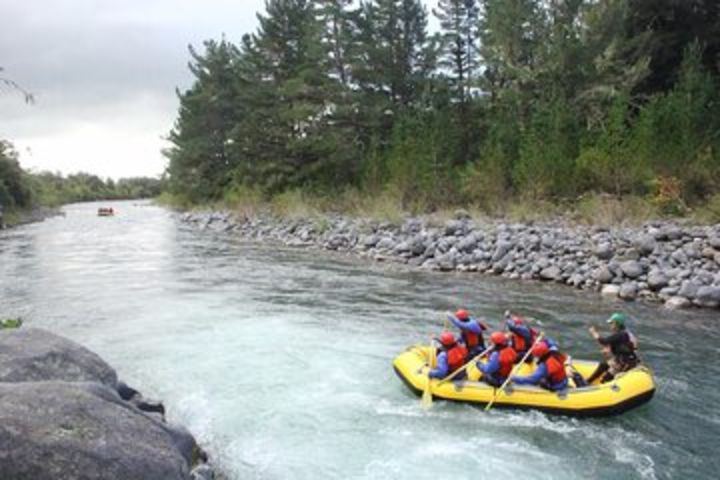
(710, 211)
(548, 148)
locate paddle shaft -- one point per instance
(514, 370)
(426, 398)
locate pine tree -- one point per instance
(338, 36)
(668, 28)
(511, 31)
(296, 132)
(459, 21)
(200, 162)
(394, 58)
(458, 61)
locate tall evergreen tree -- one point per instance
(458, 61)
(395, 57)
(338, 36)
(615, 64)
(669, 27)
(334, 92)
(200, 161)
(459, 22)
(511, 34)
(294, 133)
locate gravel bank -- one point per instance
(668, 262)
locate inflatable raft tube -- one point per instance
(627, 391)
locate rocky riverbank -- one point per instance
(668, 262)
(37, 214)
(64, 414)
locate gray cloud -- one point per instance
(104, 74)
(105, 67)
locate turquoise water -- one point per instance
(280, 360)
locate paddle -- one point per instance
(513, 372)
(427, 393)
(473, 360)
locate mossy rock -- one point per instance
(10, 323)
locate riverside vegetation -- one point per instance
(595, 112)
(509, 102)
(28, 196)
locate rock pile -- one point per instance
(659, 261)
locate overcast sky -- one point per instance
(104, 75)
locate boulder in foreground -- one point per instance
(33, 355)
(81, 431)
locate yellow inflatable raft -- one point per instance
(628, 390)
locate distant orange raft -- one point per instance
(105, 212)
(627, 391)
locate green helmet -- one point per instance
(618, 318)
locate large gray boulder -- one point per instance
(708, 297)
(603, 275)
(604, 251)
(628, 291)
(610, 291)
(645, 244)
(31, 354)
(370, 241)
(454, 227)
(657, 280)
(501, 250)
(677, 303)
(467, 244)
(551, 273)
(82, 431)
(631, 269)
(689, 289)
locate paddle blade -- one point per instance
(427, 396)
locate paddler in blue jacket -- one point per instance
(451, 357)
(471, 331)
(500, 363)
(522, 335)
(550, 372)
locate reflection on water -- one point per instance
(279, 360)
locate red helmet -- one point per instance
(498, 338)
(447, 339)
(540, 349)
(462, 314)
(517, 320)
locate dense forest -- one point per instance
(545, 100)
(20, 190)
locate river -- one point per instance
(279, 360)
